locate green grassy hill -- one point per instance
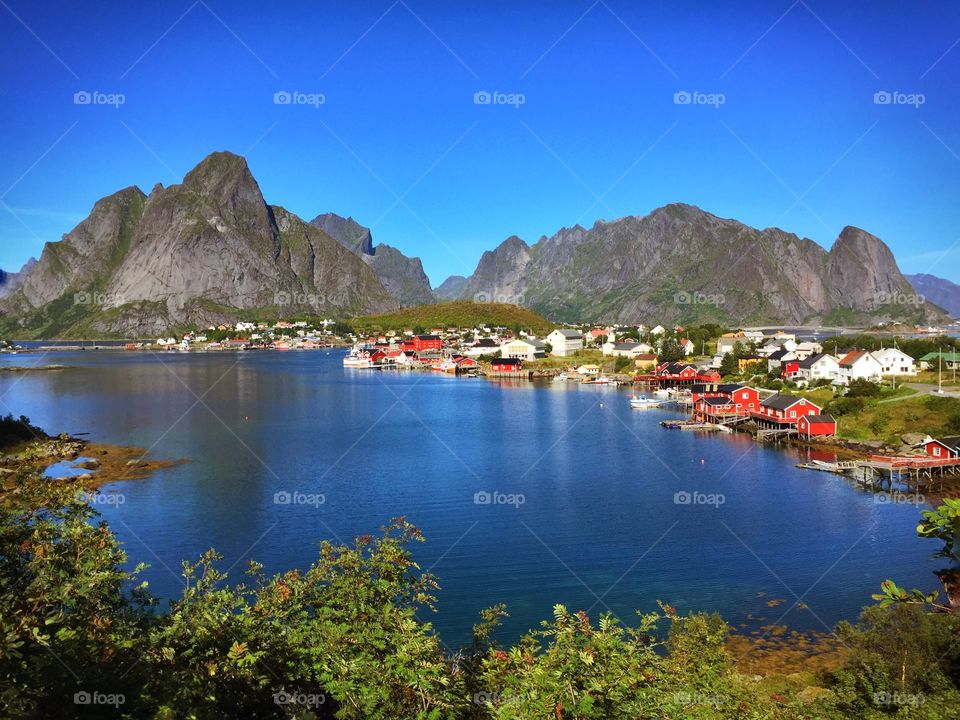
(460, 313)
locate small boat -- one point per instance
(602, 380)
(661, 393)
(643, 402)
(358, 359)
(562, 377)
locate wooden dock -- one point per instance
(881, 472)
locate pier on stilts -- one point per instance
(885, 472)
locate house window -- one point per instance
(793, 413)
(936, 450)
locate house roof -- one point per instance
(570, 334)
(781, 402)
(778, 355)
(852, 357)
(506, 361)
(821, 419)
(813, 360)
(730, 387)
(626, 345)
(948, 356)
(486, 342)
(429, 337)
(646, 356)
(714, 401)
(950, 441)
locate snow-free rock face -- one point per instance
(402, 276)
(680, 263)
(191, 254)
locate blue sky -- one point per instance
(784, 129)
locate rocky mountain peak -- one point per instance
(346, 231)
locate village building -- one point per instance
(894, 361)
(503, 365)
(775, 360)
(934, 360)
(565, 342)
(523, 349)
(629, 349)
(819, 366)
(858, 365)
(645, 362)
(816, 425)
(426, 342)
(945, 447)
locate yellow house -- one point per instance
(646, 361)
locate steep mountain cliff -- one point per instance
(940, 292)
(680, 263)
(197, 253)
(402, 276)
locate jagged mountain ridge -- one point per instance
(201, 252)
(402, 276)
(937, 290)
(680, 263)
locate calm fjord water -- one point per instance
(599, 527)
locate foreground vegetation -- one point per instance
(81, 637)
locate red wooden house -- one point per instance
(785, 409)
(810, 425)
(426, 342)
(789, 369)
(506, 365)
(945, 447)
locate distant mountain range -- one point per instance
(211, 250)
(682, 264)
(938, 291)
(10, 281)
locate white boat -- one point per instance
(602, 380)
(643, 402)
(358, 359)
(561, 377)
(662, 393)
